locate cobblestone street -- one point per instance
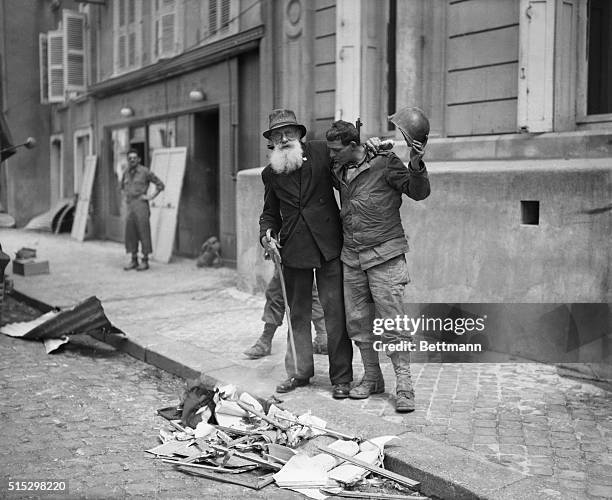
(85, 415)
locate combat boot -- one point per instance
(132, 263)
(144, 264)
(404, 401)
(263, 346)
(372, 381)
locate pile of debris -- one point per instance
(220, 435)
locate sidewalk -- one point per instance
(480, 430)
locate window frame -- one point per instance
(582, 117)
(133, 28)
(157, 12)
(233, 25)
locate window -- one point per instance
(599, 57)
(83, 147)
(219, 19)
(166, 29)
(127, 35)
(62, 59)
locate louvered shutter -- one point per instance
(225, 14)
(167, 34)
(212, 17)
(167, 28)
(43, 58)
(55, 60)
(74, 51)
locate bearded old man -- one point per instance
(300, 212)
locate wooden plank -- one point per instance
(477, 15)
(325, 4)
(481, 49)
(491, 82)
(497, 117)
(325, 77)
(325, 22)
(79, 224)
(169, 165)
(325, 50)
(411, 483)
(324, 104)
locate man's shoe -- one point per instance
(143, 266)
(341, 391)
(259, 349)
(132, 264)
(292, 383)
(367, 387)
(404, 402)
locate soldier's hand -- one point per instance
(373, 144)
(416, 154)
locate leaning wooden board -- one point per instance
(169, 165)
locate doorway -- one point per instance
(198, 217)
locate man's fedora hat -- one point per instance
(283, 118)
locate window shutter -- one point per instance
(536, 65)
(225, 14)
(167, 34)
(55, 60)
(74, 51)
(43, 59)
(212, 17)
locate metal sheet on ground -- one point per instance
(169, 165)
(82, 210)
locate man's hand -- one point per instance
(416, 153)
(270, 244)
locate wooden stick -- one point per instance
(248, 458)
(411, 483)
(367, 494)
(331, 432)
(218, 468)
(265, 418)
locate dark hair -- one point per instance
(343, 131)
(133, 150)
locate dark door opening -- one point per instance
(199, 208)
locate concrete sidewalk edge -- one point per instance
(444, 471)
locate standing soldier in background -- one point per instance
(274, 310)
(374, 265)
(134, 185)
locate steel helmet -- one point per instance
(413, 123)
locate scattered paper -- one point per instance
(202, 430)
(376, 443)
(54, 344)
(301, 472)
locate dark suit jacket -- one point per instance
(301, 210)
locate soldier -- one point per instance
(374, 265)
(134, 185)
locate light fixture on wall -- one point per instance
(197, 95)
(126, 111)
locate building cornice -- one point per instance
(184, 63)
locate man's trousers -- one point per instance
(299, 295)
(138, 228)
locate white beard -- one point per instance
(285, 160)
